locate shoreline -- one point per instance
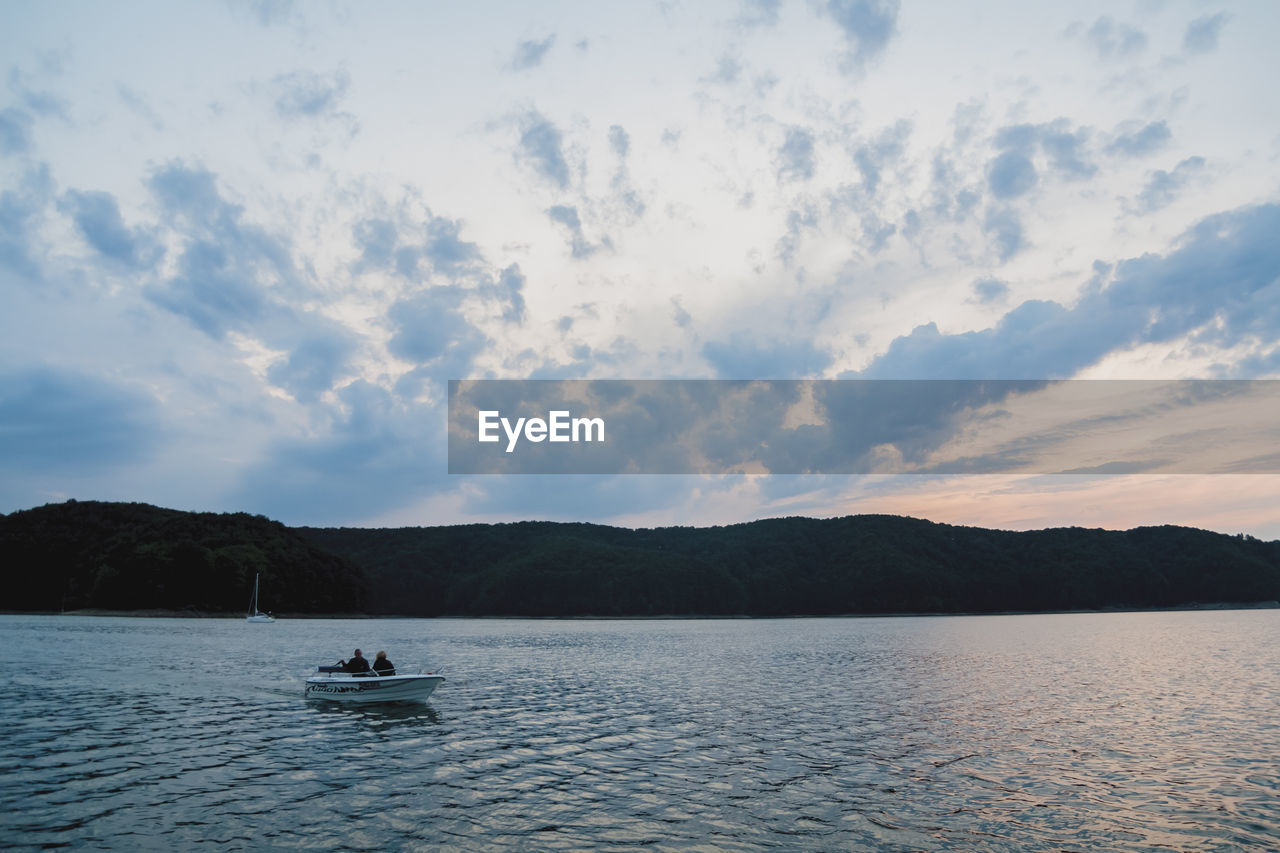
(193, 614)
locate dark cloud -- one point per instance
(873, 156)
(511, 291)
(799, 220)
(1065, 148)
(542, 148)
(868, 25)
(15, 131)
(430, 329)
(376, 239)
(380, 454)
(1163, 187)
(744, 356)
(444, 249)
(1010, 175)
(1013, 172)
(1005, 229)
(1147, 140)
(38, 102)
(529, 54)
(988, 290)
(226, 266)
(309, 95)
(314, 365)
(567, 216)
(20, 210)
(53, 420)
(1150, 299)
(1202, 33)
(97, 216)
(876, 232)
(215, 291)
(796, 156)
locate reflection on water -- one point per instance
(1068, 732)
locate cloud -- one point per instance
(382, 453)
(743, 356)
(619, 141)
(988, 290)
(1112, 40)
(226, 264)
(444, 249)
(270, 12)
(430, 329)
(376, 239)
(1150, 299)
(97, 216)
(40, 103)
(759, 13)
(510, 290)
(20, 212)
(1005, 229)
(728, 69)
(314, 365)
(1162, 188)
(1010, 175)
(1150, 138)
(541, 147)
(1202, 33)
(1064, 149)
(872, 157)
(529, 54)
(15, 131)
(795, 156)
(567, 216)
(1013, 172)
(55, 420)
(305, 94)
(868, 26)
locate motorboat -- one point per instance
(331, 683)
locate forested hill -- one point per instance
(129, 556)
(134, 556)
(857, 564)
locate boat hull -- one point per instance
(388, 688)
(260, 618)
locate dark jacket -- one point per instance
(356, 665)
(382, 666)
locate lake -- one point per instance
(1116, 731)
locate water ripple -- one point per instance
(1137, 732)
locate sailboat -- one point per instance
(256, 615)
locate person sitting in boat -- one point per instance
(357, 665)
(382, 666)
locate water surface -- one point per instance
(1136, 731)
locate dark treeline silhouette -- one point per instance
(129, 556)
(790, 566)
(133, 556)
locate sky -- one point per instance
(244, 246)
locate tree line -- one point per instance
(128, 556)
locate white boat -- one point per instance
(331, 683)
(256, 615)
